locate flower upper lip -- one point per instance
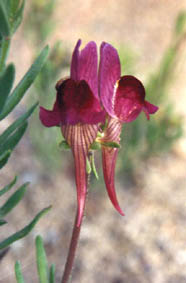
(122, 97)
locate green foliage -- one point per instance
(180, 26)
(45, 274)
(16, 125)
(25, 231)
(6, 83)
(4, 23)
(18, 272)
(13, 200)
(4, 158)
(8, 187)
(11, 12)
(42, 265)
(25, 83)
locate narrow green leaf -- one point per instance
(8, 187)
(3, 253)
(7, 4)
(13, 140)
(4, 49)
(4, 158)
(4, 24)
(16, 124)
(25, 83)
(13, 200)
(2, 222)
(17, 17)
(52, 274)
(25, 231)
(180, 26)
(42, 265)
(14, 5)
(6, 82)
(18, 273)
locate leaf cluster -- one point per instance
(11, 13)
(46, 274)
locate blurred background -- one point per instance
(149, 243)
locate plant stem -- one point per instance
(72, 250)
(4, 48)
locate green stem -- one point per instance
(4, 48)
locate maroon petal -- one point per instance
(84, 65)
(80, 137)
(77, 104)
(109, 156)
(129, 100)
(75, 62)
(151, 108)
(109, 73)
(49, 118)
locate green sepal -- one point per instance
(18, 273)
(4, 158)
(52, 274)
(88, 166)
(64, 145)
(95, 145)
(100, 134)
(42, 265)
(4, 23)
(24, 232)
(111, 144)
(6, 83)
(13, 200)
(25, 83)
(8, 187)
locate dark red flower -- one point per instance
(78, 112)
(123, 99)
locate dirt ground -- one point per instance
(148, 245)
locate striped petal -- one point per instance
(80, 137)
(84, 65)
(109, 156)
(109, 73)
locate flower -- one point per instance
(86, 103)
(78, 112)
(123, 98)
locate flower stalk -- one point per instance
(72, 249)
